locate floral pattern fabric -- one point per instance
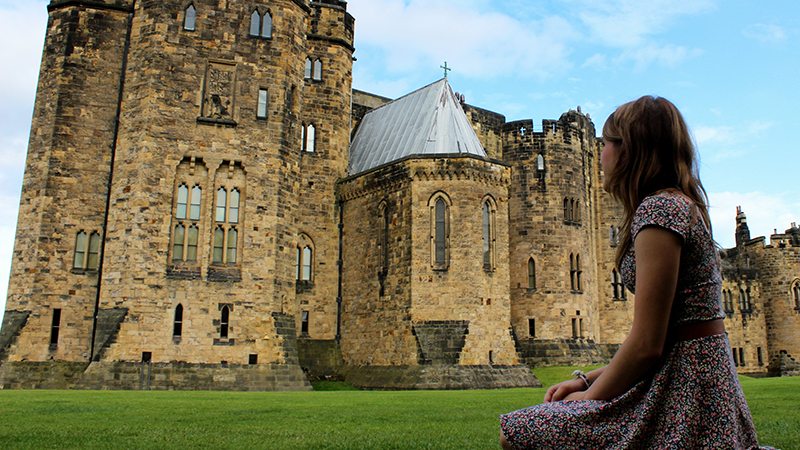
(691, 400)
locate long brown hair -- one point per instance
(655, 153)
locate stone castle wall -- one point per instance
(66, 183)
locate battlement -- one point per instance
(331, 21)
(117, 5)
(572, 125)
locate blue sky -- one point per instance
(732, 67)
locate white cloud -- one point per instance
(765, 212)
(597, 61)
(422, 34)
(725, 142)
(664, 55)
(627, 23)
(766, 33)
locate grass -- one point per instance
(312, 420)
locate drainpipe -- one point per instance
(340, 267)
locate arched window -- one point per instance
(744, 300)
(540, 163)
(305, 256)
(227, 213)
(233, 239)
(224, 318)
(578, 272)
(577, 213)
(261, 25)
(87, 251)
(177, 327)
(189, 18)
(255, 24)
(219, 245)
(441, 231)
(94, 251)
(266, 27)
(309, 69)
(191, 173)
(317, 70)
(222, 200)
(796, 294)
(80, 251)
(439, 205)
(531, 274)
(488, 234)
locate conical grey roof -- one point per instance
(425, 122)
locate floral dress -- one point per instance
(691, 399)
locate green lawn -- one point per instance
(311, 420)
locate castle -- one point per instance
(208, 204)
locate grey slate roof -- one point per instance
(425, 122)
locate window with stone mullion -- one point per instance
(186, 231)
(226, 234)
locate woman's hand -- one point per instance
(565, 390)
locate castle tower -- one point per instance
(197, 193)
(54, 277)
(553, 275)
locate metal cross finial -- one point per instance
(446, 69)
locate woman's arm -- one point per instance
(658, 254)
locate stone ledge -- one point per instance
(439, 377)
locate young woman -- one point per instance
(672, 384)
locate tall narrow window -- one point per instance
(532, 328)
(383, 237)
(80, 251)
(178, 238)
(261, 112)
(540, 163)
(796, 294)
(317, 70)
(572, 271)
(308, 138)
(255, 24)
(189, 18)
(741, 357)
(219, 245)
(233, 210)
(222, 200)
(233, 239)
(183, 200)
(55, 327)
(735, 357)
(306, 263)
(760, 358)
(566, 209)
(441, 238)
(487, 236)
(305, 258)
(224, 318)
(578, 272)
(177, 327)
(266, 26)
(304, 322)
(575, 328)
(94, 251)
(194, 211)
(191, 243)
(531, 274)
(309, 69)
